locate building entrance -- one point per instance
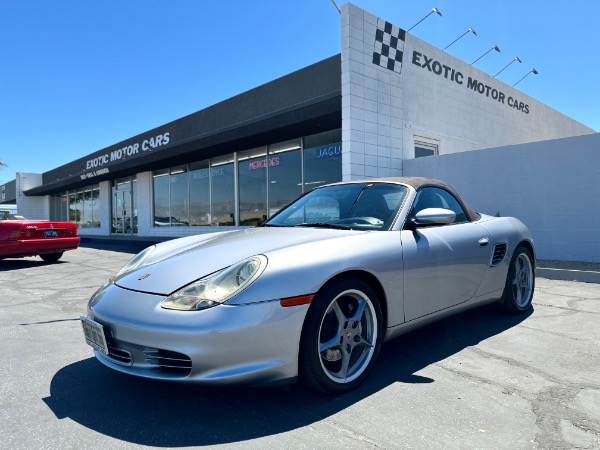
(124, 211)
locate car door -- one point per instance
(444, 264)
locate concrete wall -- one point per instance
(37, 208)
(439, 104)
(8, 192)
(143, 202)
(398, 89)
(552, 186)
(372, 99)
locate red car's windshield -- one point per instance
(5, 215)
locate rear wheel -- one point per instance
(520, 282)
(51, 257)
(341, 337)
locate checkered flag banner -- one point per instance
(389, 46)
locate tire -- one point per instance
(520, 282)
(51, 257)
(341, 337)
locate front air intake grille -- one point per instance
(168, 361)
(498, 254)
(117, 354)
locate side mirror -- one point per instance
(434, 216)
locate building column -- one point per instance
(372, 95)
(144, 206)
(33, 207)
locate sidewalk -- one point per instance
(586, 272)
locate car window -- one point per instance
(368, 206)
(431, 197)
(318, 209)
(5, 215)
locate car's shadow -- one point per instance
(117, 246)
(34, 261)
(148, 412)
(18, 264)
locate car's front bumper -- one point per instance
(244, 344)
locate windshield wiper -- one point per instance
(324, 225)
(357, 198)
(276, 225)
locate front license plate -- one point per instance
(94, 334)
(50, 233)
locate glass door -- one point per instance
(124, 219)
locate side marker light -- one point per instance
(295, 301)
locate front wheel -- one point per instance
(520, 282)
(51, 257)
(341, 337)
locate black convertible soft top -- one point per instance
(418, 183)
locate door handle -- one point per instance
(483, 242)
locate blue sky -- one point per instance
(78, 76)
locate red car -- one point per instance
(20, 237)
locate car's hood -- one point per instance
(200, 256)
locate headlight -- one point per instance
(136, 261)
(218, 287)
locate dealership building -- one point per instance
(389, 105)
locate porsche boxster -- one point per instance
(311, 293)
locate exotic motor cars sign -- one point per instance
(421, 60)
(96, 165)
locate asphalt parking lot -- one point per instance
(479, 380)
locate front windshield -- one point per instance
(6, 215)
(360, 206)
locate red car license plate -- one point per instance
(50, 233)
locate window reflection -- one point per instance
(162, 211)
(252, 170)
(285, 174)
(269, 177)
(322, 159)
(222, 191)
(200, 194)
(81, 206)
(179, 199)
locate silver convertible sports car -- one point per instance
(312, 292)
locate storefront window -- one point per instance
(285, 174)
(123, 184)
(252, 170)
(81, 206)
(179, 196)
(73, 210)
(162, 211)
(58, 207)
(322, 159)
(134, 204)
(87, 221)
(200, 194)
(222, 187)
(268, 178)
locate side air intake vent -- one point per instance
(498, 254)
